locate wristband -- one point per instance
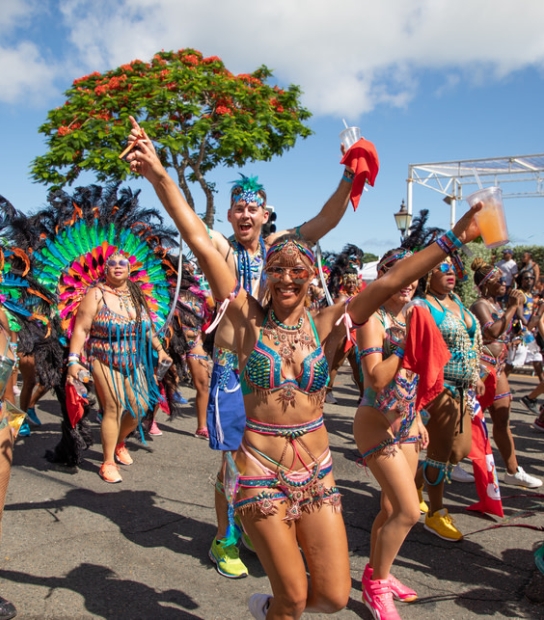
(399, 352)
(348, 175)
(72, 363)
(455, 240)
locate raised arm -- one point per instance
(143, 160)
(408, 270)
(329, 216)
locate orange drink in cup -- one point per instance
(490, 219)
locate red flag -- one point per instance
(483, 463)
(75, 404)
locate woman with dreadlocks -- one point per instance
(496, 324)
(287, 498)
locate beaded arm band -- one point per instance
(370, 351)
(450, 244)
(223, 308)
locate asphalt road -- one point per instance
(76, 548)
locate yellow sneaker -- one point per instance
(227, 560)
(441, 524)
(423, 508)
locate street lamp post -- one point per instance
(403, 219)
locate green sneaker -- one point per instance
(227, 560)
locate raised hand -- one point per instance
(466, 228)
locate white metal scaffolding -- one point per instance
(521, 176)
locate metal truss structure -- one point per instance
(520, 176)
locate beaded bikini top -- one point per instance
(263, 370)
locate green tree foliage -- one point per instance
(467, 290)
(200, 114)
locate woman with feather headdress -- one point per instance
(100, 254)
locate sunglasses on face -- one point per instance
(122, 262)
(446, 268)
(297, 274)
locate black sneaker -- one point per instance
(530, 403)
(7, 609)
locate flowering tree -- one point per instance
(199, 113)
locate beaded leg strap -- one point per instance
(223, 308)
(444, 471)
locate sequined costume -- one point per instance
(263, 371)
(301, 489)
(124, 345)
(399, 396)
(464, 344)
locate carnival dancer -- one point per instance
(449, 425)
(389, 434)
(287, 495)
(7, 364)
(496, 324)
(79, 238)
(114, 332)
(244, 252)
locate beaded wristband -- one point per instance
(398, 352)
(456, 242)
(72, 363)
(448, 243)
(347, 179)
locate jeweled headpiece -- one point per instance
(247, 189)
(492, 272)
(387, 261)
(289, 250)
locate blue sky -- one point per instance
(426, 82)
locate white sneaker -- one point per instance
(458, 474)
(329, 398)
(258, 605)
(522, 479)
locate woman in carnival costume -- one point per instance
(389, 434)
(185, 339)
(7, 435)
(449, 425)
(102, 256)
(344, 283)
(496, 324)
(287, 496)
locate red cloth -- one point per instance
(362, 158)
(163, 401)
(426, 353)
(483, 463)
(490, 383)
(75, 404)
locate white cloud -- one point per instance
(348, 56)
(24, 74)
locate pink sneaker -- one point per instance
(154, 429)
(378, 598)
(398, 589)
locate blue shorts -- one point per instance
(226, 416)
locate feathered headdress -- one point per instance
(76, 236)
(247, 189)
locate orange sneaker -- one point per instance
(122, 454)
(109, 472)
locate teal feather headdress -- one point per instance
(247, 189)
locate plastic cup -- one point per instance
(490, 219)
(349, 136)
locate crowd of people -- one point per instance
(260, 327)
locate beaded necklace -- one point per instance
(286, 337)
(124, 296)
